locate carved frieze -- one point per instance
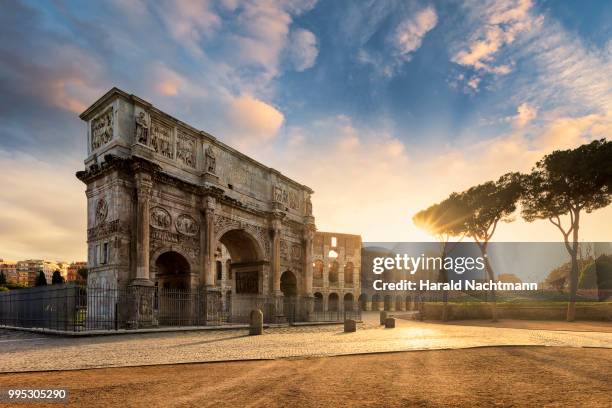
(101, 211)
(187, 225)
(296, 252)
(161, 136)
(168, 237)
(186, 149)
(284, 252)
(103, 230)
(160, 218)
(102, 129)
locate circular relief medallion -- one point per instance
(160, 218)
(185, 224)
(101, 211)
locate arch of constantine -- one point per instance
(170, 207)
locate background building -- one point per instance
(336, 267)
(9, 268)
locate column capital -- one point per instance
(144, 185)
(209, 203)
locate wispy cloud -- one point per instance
(410, 32)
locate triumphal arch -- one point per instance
(166, 201)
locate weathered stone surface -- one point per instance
(390, 323)
(383, 317)
(256, 323)
(350, 326)
(156, 185)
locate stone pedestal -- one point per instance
(141, 301)
(256, 323)
(350, 326)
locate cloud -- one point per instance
(368, 181)
(253, 121)
(167, 82)
(410, 32)
(498, 25)
(44, 216)
(302, 49)
(525, 113)
(189, 22)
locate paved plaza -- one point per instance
(22, 351)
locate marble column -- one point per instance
(208, 243)
(144, 186)
(276, 256)
(307, 266)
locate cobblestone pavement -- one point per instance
(20, 351)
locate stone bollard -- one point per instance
(256, 323)
(350, 326)
(383, 317)
(390, 323)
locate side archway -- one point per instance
(172, 271)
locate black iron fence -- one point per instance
(79, 308)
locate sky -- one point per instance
(381, 107)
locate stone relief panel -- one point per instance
(102, 129)
(161, 139)
(160, 218)
(186, 225)
(101, 211)
(296, 252)
(186, 149)
(284, 252)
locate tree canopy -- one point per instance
(41, 279)
(57, 278)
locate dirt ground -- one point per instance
(492, 376)
(581, 326)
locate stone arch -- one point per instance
(172, 271)
(318, 302)
(154, 256)
(333, 272)
(332, 302)
(376, 302)
(349, 302)
(317, 269)
(241, 245)
(388, 302)
(399, 303)
(363, 301)
(255, 234)
(349, 273)
(289, 284)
